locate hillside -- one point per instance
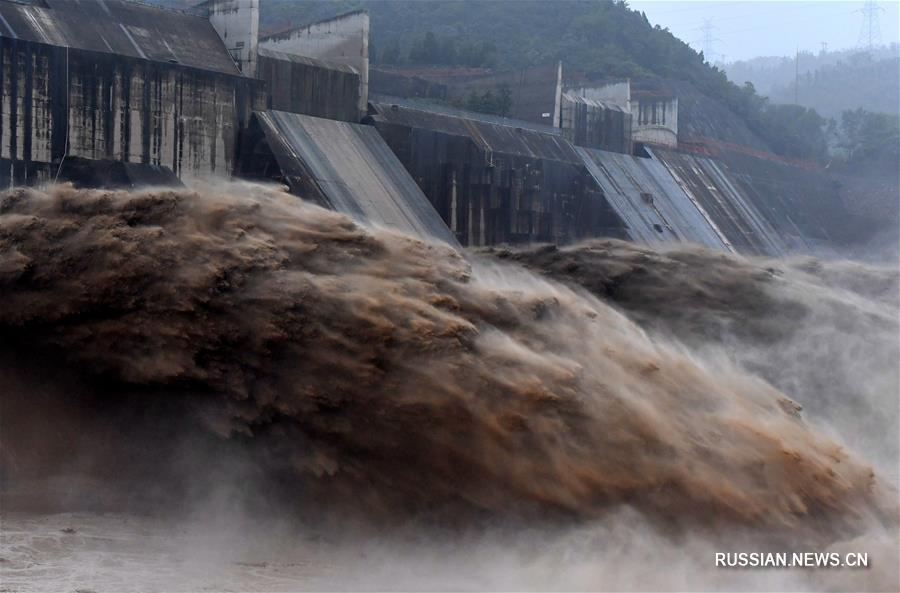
(829, 82)
(590, 35)
(604, 38)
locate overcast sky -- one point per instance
(745, 29)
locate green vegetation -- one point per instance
(829, 82)
(591, 35)
(600, 37)
(856, 93)
(864, 135)
(488, 102)
(443, 51)
(789, 130)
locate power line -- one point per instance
(793, 22)
(708, 40)
(698, 43)
(870, 31)
(641, 6)
(781, 11)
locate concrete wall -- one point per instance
(763, 206)
(490, 189)
(387, 82)
(650, 201)
(535, 92)
(654, 112)
(557, 95)
(237, 23)
(594, 124)
(617, 93)
(655, 120)
(307, 86)
(60, 102)
(343, 39)
(342, 166)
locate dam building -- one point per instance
(119, 93)
(117, 81)
(111, 92)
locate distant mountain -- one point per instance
(829, 82)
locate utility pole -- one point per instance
(870, 31)
(797, 76)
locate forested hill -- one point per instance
(829, 82)
(591, 35)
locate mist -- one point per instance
(227, 387)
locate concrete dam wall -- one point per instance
(497, 183)
(117, 81)
(764, 207)
(107, 82)
(342, 166)
(507, 181)
(649, 200)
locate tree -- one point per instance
(504, 100)
(795, 131)
(870, 136)
(851, 132)
(447, 51)
(425, 51)
(430, 49)
(391, 54)
(444, 51)
(489, 102)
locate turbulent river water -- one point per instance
(230, 389)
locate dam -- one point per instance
(281, 312)
(587, 158)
